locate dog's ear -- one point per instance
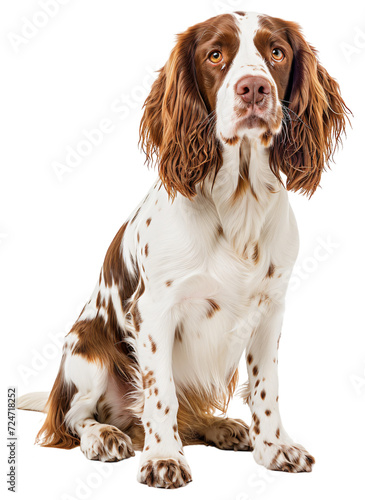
(315, 116)
(176, 129)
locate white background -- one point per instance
(73, 73)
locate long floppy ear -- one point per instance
(176, 129)
(314, 118)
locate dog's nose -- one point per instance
(253, 89)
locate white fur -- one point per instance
(35, 401)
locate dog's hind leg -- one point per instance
(98, 441)
(72, 409)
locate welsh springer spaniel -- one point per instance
(197, 275)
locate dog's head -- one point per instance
(241, 76)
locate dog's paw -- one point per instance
(164, 473)
(106, 443)
(283, 457)
(228, 434)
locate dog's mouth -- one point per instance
(253, 120)
(258, 118)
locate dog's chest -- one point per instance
(218, 312)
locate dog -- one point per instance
(241, 113)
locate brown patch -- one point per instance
(115, 269)
(147, 448)
(136, 315)
(148, 379)
(153, 344)
(138, 237)
(106, 342)
(263, 394)
(179, 330)
(146, 250)
(257, 382)
(98, 300)
(148, 221)
(174, 428)
(231, 141)
(213, 308)
(255, 370)
(277, 433)
(268, 413)
(168, 283)
(256, 429)
(256, 253)
(270, 271)
(220, 230)
(167, 409)
(249, 358)
(159, 405)
(266, 138)
(243, 182)
(158, 439)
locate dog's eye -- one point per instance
(216, 57)
(277, 55)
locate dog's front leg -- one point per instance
(272, 446)
(163, 463)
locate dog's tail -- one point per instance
(35, 401)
